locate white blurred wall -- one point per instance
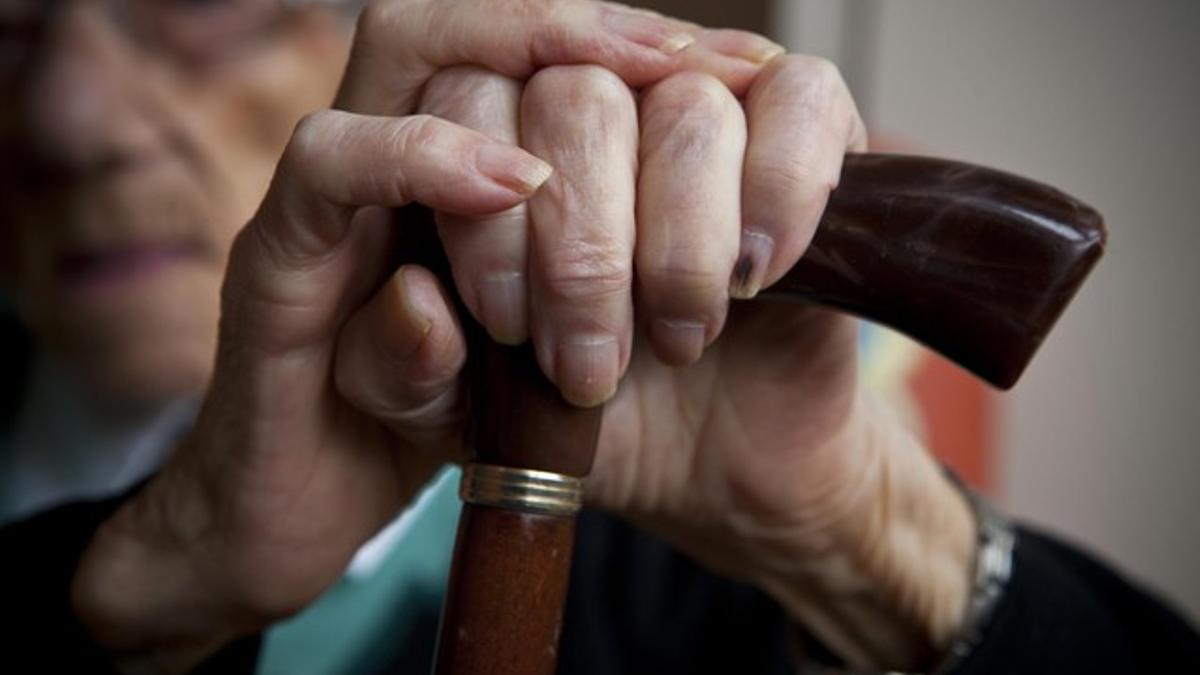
(1102, 99)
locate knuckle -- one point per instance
(814, 69)
(689, 91)
(685, 116)
(578, 88)
(823, 70)
(414, 140)
(584, 271)
(418, 135)
(379, 18)
(311, 134)
(684, 282)
(812, 82)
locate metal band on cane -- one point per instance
(504, 487)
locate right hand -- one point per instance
(281, 480)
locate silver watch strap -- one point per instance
(993, 569)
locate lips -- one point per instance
(118, 266)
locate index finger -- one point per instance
(400, 44)
(292, 264)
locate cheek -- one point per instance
(247, 118)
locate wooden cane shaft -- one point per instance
(508, 585)
(508, 581)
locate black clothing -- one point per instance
(635, 607)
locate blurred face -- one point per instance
(142, 137)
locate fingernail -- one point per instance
(647, 29)
(762, 53)
(744, 45)
(586, 368)
(502, 302)
(682, 340)
(751, 266)
(673, 44)
(513, 168)
(415, 317)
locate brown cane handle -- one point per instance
(976, 263)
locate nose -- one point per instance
(85, 104)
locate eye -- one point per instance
(206, 10)
(200, 5)
(202, 28)
(210, 10)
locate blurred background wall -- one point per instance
(1102, 99)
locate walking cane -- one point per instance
(977, 264)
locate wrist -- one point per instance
(890, 589)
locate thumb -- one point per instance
(399, 358)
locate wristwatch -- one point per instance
(993, 568)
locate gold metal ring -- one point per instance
(504, 487)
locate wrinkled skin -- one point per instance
(738, 433)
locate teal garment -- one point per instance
(356, 626)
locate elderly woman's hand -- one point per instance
(283, 477)
(336, 392)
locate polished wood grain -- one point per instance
(976, 263)
(508, 585)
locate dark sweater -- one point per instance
(635, 606)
